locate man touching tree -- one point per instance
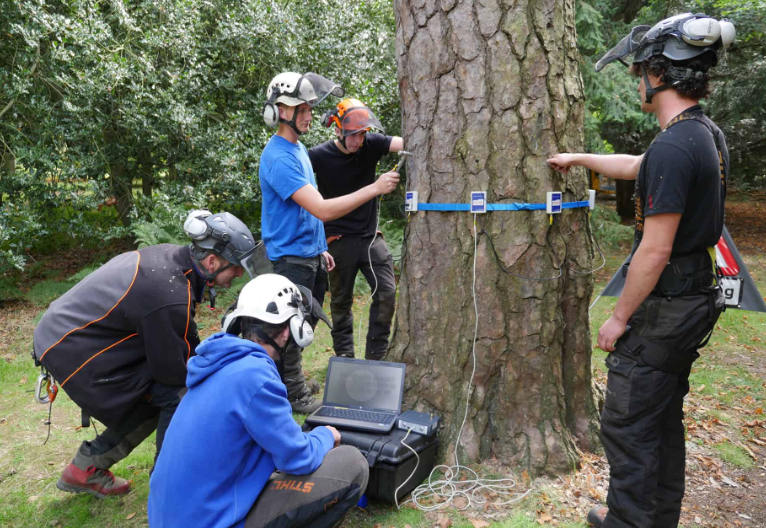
(343, 166)
(671, 300)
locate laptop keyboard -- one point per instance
(353, 414)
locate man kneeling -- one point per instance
(234, 427)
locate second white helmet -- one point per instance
(272, 299)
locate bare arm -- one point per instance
(397, 144)
(310, 199)
(616, 166)
(645, 269)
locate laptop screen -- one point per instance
(364, 384)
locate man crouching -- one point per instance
(234, 427)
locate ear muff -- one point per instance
(270, 114)
(196, 228)
(301, 330)
(327, 118)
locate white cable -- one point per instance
(473, 348)
(372, 269)
(417, 457)
(448, 488)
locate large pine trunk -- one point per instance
(490, 89)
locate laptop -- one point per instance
(360, 394)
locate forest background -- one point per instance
(118, 117)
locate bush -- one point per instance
(608, 230)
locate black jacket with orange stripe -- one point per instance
(127, 324)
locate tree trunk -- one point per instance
(122, 186)
(7, 168)
(147, 176)
(624, 194)
(490, 89)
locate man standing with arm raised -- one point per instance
(671, 300)
(345, 165)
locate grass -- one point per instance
(733, 454)
(29, 470)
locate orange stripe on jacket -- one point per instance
(95, 355)
(135, 274)
(188, 319)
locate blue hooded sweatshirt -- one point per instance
(233, 427)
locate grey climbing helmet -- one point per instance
(678, 38)
(226, 235)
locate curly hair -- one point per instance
(692, 88)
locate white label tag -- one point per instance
(732, 291)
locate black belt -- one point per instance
(685, 275)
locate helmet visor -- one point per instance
(358, 119)
(256, 262)
(630, 44)
(313, 89)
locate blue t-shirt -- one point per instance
(286, 227)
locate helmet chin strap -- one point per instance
(278, 349)
(291, 123)
(651, 92)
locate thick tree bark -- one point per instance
(490, 89)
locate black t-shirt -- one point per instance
(681, 173)
(339, 174)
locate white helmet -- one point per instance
(272, 299)
(294, 89)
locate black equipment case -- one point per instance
(391, 463)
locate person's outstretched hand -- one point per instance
(562, 162)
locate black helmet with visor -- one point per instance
(678, 38)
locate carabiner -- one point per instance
(41, 390)
(46, 389)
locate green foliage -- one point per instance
(101, 97)
(80, 275)
(734, 455)
(9, 290)
(45, 292)
(608, 230)
(613, 119)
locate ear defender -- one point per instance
(301, 330)
(270, 114)
(195, 226)
(327, 118)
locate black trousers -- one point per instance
(642, 427)
(116, 443)
(351, 256)
(312, 274)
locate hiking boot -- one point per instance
(596, 516)
(313, 386)
(98, 482)
(306, 405)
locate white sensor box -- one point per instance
(411, 201)
(553, 202)
(478, 202)
(592, 199)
